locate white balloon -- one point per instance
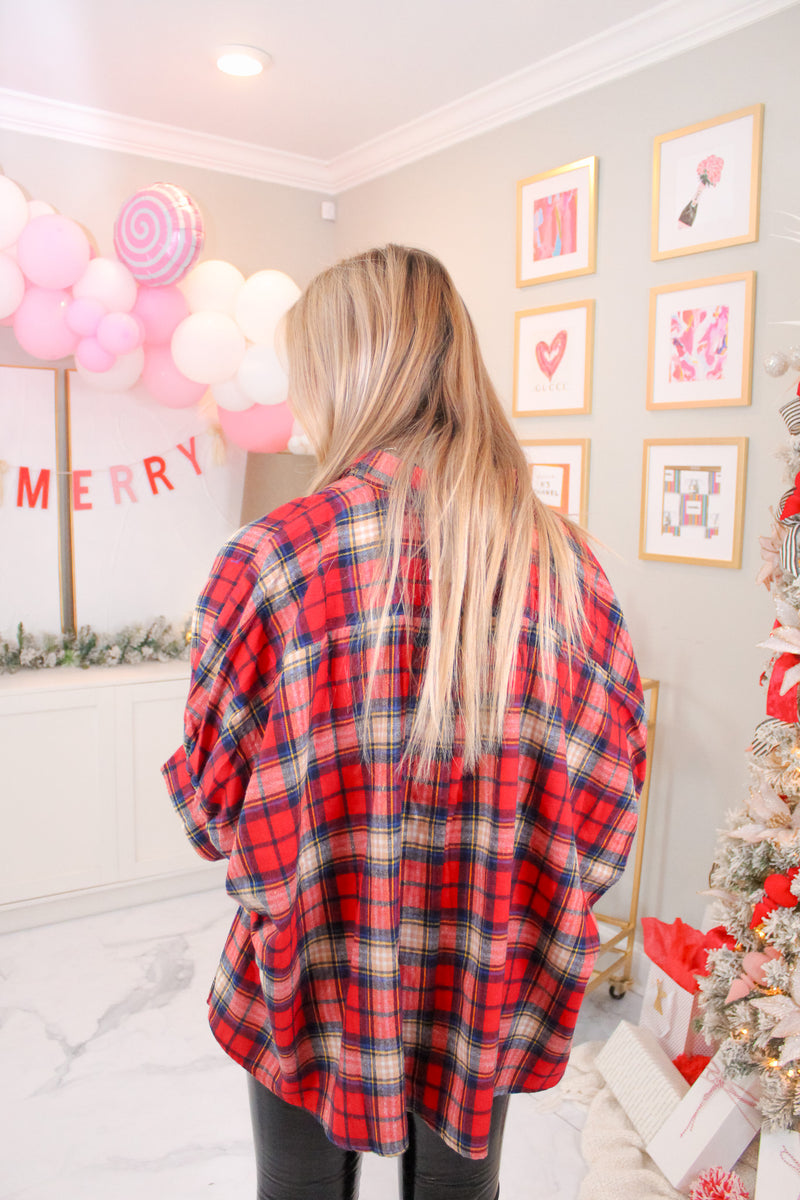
(39, 208)
(12, 285)
(13, 212)
(261, 376)
(299, 442)
(261, 303)
(229, 395)
(208, 347)
(123, 375)
(213, 287)
(108, 281)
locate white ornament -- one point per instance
(776, 363)
(794, 357)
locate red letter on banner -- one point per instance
(24, 488)
(122, 481)
(191, 455)
(79, 490)
(156, 472)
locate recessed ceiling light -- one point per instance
(242, 60)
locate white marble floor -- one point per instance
(112, 1086)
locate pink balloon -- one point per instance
(83, 316)
(263, 428)
(119, 333)
(40, 323)
(91, 355)
(12, 286)
(53, 251)
(164, 381)
(161, 310)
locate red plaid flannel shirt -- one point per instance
(399, 945)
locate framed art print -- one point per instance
(560, 474)
(706, 184)
(29, 501)
(693, 500)
(557, 223)
(701, 343)
(553, 359)
(151, 504)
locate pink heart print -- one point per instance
(549, 357)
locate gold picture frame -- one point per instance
(693, 494)
(564, 464)
(700, 352)
(557, 223)
(707, 184)
(553, 349)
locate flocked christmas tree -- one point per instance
(751, 996)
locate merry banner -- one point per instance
(152, 499)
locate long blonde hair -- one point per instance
(383, 355)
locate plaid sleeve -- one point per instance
(605, 741)
(234, 651)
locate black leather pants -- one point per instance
(295, 1160)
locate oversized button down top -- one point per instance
(399, 944)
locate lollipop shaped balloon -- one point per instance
(158, 234)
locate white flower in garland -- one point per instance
(785, 1010)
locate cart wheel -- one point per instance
(617, 995)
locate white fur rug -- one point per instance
(619, 1167)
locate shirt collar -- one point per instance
(380, 467)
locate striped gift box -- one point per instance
(790, 551)
(791, 415)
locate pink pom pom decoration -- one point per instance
(716, 1184)
(159, 234)
(262, 429)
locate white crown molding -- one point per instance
(669, 29)
(25, 113)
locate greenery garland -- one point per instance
(157, 642)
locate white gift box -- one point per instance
(668, 1011)
(711, 1127)
(641, 1077)
(778, 1166)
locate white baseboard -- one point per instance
(48, 910)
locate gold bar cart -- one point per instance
(617, 972)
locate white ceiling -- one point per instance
(356, 86)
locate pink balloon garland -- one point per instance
(119, 317)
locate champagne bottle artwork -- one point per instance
(709, 173)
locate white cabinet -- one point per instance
(87, 823)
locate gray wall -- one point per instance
(694, 628)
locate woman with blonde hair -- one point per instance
(415, 730)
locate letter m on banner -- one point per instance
(30, 494)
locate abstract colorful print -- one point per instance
(699, 344)
(555, 224)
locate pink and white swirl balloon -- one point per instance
(158, 234)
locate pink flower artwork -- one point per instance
(699, 344)
(710, 169)
(555, 225)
